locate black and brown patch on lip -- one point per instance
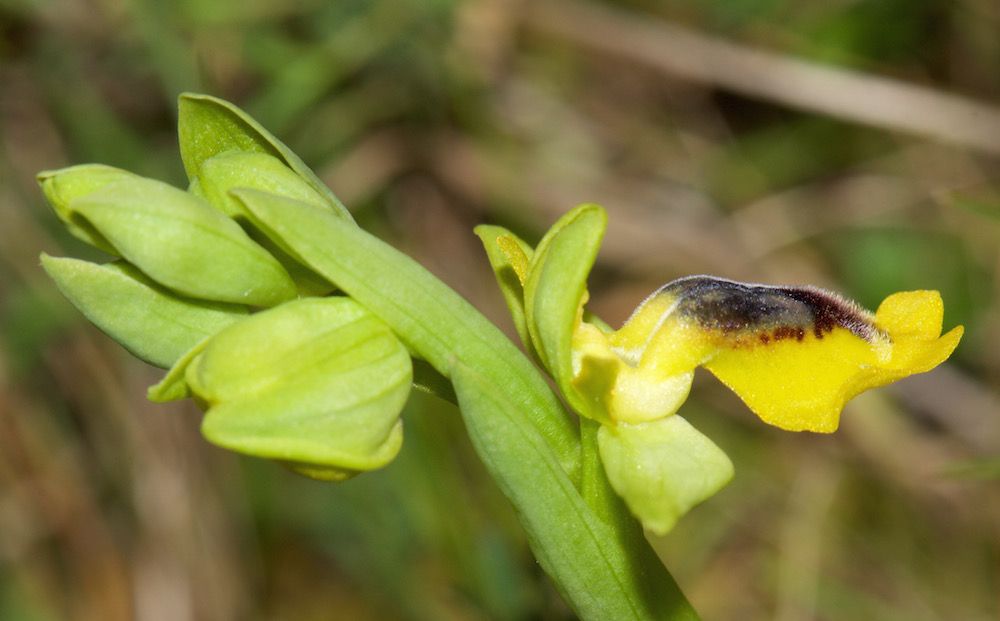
(766, 312)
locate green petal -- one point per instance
(662, 468)
(507, 274)
(154, 324)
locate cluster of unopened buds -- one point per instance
(303, 352)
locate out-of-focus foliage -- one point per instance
(427, 118)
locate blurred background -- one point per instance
(853, 144)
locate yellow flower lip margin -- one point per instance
(794, 355)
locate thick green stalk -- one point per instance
(599, 561)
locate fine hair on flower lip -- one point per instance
(769, 311)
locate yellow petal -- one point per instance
(913, 319)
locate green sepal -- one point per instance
(353, 466)
(222, 173)
(556, 287)
(506, 253)
(63, 186)
(208, 126)
(181, 242)
(662, 468)
(318, 382)
(153, 323)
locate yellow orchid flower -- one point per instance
(795, 355)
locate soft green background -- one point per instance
(427, 118)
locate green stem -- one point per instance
(665, 599)
(594, 486)
(600, 563)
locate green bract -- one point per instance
(151, 322)
(318, 383)
(583, 538)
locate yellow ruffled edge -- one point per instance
(803, 385)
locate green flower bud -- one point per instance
(178, 240)
(662, 468)
(260, 171)
(208, 126)
(318, 383)
(154, 324)
(246, 169)
(61, 187)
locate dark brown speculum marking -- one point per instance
(773, 313)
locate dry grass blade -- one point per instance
(842, 93)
